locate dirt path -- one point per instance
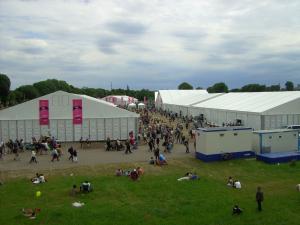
(86, 157)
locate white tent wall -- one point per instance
(100, 120)
(279, 121)
(65, 131)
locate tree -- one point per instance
(199, 88)
(4, 87)
(289, 86)
(253, 88)
(185, 86)
(218, 88)
(28, 92)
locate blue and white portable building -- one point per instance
(274, 146)
(213, 144)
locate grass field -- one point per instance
(158, 198)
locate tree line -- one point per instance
(27, 92)
(221, 87)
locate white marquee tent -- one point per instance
(100, 119)
(259, 110)
(120, 100)
(166, 98)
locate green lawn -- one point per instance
(158, 198)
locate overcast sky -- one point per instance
(153, 44)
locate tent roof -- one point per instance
(60, 107)
(172, 96)
(257, 102)
(196, 99)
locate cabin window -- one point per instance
(221, 135)
(279, 136)
(270, 137)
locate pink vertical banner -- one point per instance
(77, 111)
(44, 112)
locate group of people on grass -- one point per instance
(134, 174)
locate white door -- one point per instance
(93, 129)
(12, 124)
(100, 129)
(116, 128)
(53, 128)
(108, 128)
(69, 130)
(61, 130)
(124, 129)
(4, 129)
(36, 129)
(28, 130)
(77, 132)
(85, 129)
(44, 130)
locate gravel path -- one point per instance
(86, 157)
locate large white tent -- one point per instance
(167, 98)
(259, 110)
(100, 119)
(120, 100)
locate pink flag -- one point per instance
(44, 112)
(77, 111)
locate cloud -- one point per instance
(126, 27)
(151, 44)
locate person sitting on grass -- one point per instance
(140, 171)
(134, 175)
(39, 178)
(151, 162)
(189, 176)
(74, 191)
(31, 213)
(162, 160)
(230, 182)
(119, 172)
(86, 187)
(236, 210)
(237, 184)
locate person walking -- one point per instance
(187, 147)
(71, 151)
(259, 198)
(33, 157)
(156, 154)
(128, 150)
(74, 159)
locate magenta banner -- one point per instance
(77, 111)
(44, 112)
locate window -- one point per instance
(235, 134)
(270, 137)
(279, 136)
(221, 135)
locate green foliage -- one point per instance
(4, 87)
(218, 88)
(158, 198)
(185, 86)
(253, 88)
(289, 86)
(28, 92)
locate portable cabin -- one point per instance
(213, 144)
(280, 145)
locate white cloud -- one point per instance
(150, 43)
